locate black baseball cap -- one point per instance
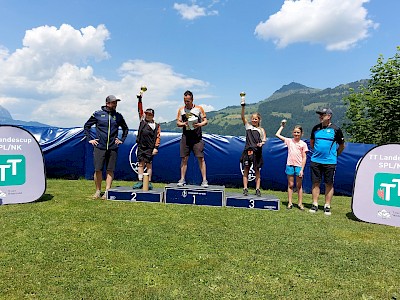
(149, 111)
(112, 98)
(324, 111)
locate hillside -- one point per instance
(295, 102)
(7, 119)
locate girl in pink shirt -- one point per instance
(296, 160)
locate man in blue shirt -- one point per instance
(106, 142)
(327, 143)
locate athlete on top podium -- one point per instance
(191, 118)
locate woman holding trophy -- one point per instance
(252, 154)
(148, 140)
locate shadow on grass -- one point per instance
(351, 216)
(45, 197)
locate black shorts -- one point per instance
(187, 145)
(107, 157)
(250, 157)
(318, 170)
(145, 155)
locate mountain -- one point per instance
(4, 113)
(6, 119)
(295, 102)
(291, 88)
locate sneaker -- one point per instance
(290, 206)
(181, 182)
(97, 194)
(138, 185)
(150, 186)
(204, 183)
(245, 192)
(300, 206)
(104, 197)
(258, 193)
(327, 210)
(313, 209)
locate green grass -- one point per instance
(68, 246)
(315, 106)
(282, 115)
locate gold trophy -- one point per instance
(242, 96)
(143, 88)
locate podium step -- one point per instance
(213, 195)
(128, 194)
(268, 202)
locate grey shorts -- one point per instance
(104, 157)
(186, 146)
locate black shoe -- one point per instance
(245, 192)
(313, 209)
(327, 211)
(258, 193)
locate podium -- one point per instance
(213, 195)
(252, 201)
(129, 194)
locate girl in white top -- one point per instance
(296, 160)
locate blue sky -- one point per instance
(60, 59)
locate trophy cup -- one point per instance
(242, 96)
(143, 88)
(191, 121)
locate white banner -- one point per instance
(376, 194)
(22, 172)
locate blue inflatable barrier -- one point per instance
(68, 155)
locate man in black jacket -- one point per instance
(106, 142)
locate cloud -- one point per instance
(52, 79)
(207, 107)
(45, 48)
(193, 11)
(337, 24)
(163, 84)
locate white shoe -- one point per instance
(104, 197)
(181, 182)
(97, 194)
(204, 183)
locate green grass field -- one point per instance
(68, 246)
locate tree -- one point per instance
(374, 111)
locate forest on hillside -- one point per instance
(298, 106)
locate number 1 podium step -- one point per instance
(213, 195)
